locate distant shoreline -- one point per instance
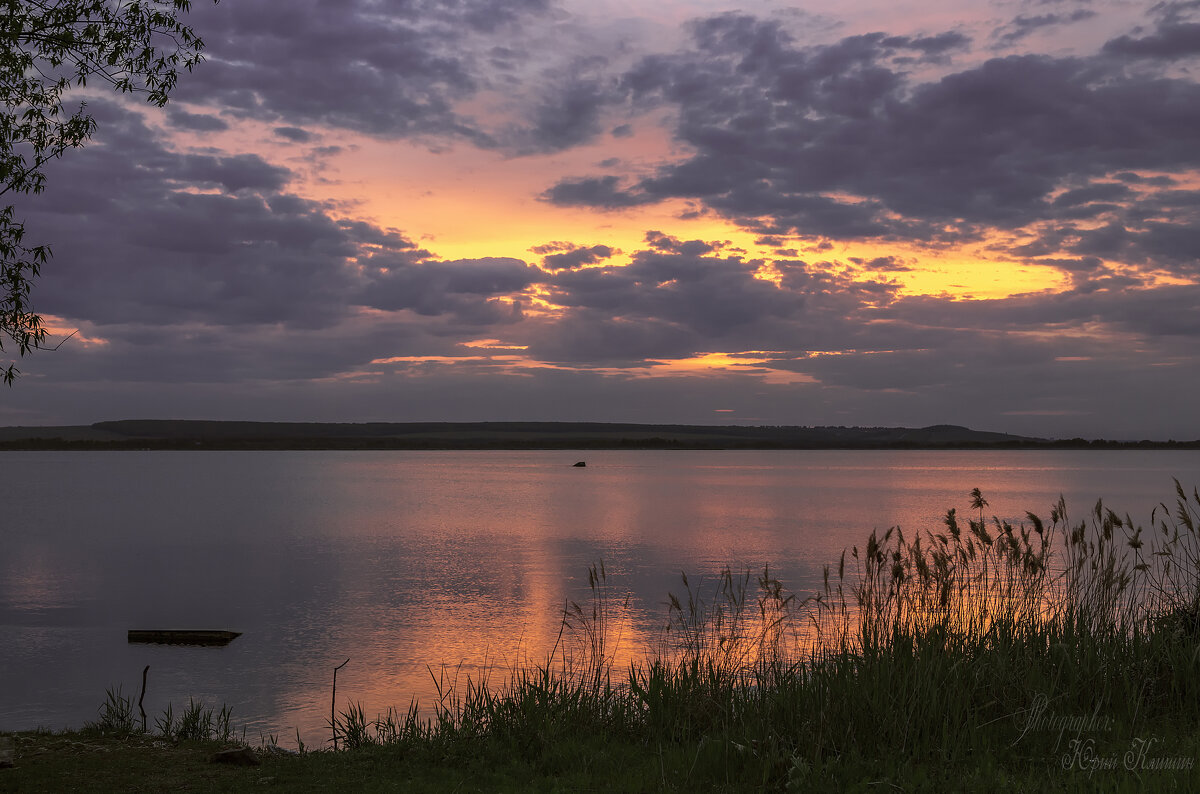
(420, 436)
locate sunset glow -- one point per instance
(908, 214)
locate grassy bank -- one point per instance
(979, 655)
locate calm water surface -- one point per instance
(404, 560)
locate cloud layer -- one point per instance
(207, 280)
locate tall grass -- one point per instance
(197, 721)
(977, 653)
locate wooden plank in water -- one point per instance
(183, 636)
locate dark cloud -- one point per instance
(189, 274)
(392, 69)
(1022, 26)
(465, 288)
(1160, 180)
(565, 256)
(1084, 264)
(936, 49)
(837, 141)
(673, 245)
(600, 192)
(1065, 319)
(1153, 230)
(294, 134)
(195, 122)
(1101, 191)
(678, 298)
(1169, 42)
(940, 44)
(567, 115)
(589, 337)
(881, 263)
(233, 174)
(171, 256)
(207, 240)
(1176, 34)
(1046, 348)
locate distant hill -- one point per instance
(192, 434)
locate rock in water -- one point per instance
(581, 464)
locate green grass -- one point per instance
(1049, 656)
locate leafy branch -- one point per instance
(47, 49)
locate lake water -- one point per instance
(401, 561)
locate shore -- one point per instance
(89, 761)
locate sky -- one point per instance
(869, 212)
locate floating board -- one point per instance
(183, 637)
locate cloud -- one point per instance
(393, 70)
(931, 46)
(294, 134)
(1170, 42)
(1153, 231)
(464, 287)
(569, 113)
(1023, 26)
(882, 263)
(216, 241)
(839, 141)
(566, 256)
(679, 298)
(195, 122)
(601, 192)
(1100, 191)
